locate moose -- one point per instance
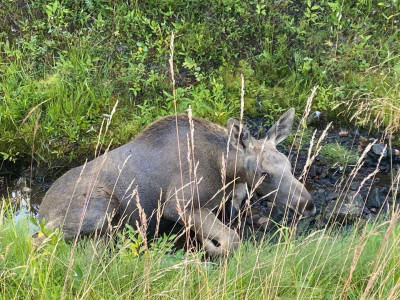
(177, 169)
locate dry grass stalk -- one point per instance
(329, 229)
(357, 253)
(378, 267)
(33, 110)
(318, 147)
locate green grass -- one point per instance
(324, 265)
(65, 63)
(338, 155)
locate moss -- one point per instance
(335, 154)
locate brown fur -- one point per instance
(145, 172)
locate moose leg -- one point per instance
(240, 194)
(217, 238)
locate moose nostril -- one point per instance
(310, 205)
(216, 243)
(310, 209)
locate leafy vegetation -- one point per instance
(64, 64)
(336, 154)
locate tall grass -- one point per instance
(344, 264)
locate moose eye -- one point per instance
(265, 175)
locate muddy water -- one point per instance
(24, 194)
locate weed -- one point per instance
(337, 155)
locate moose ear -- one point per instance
(240, 135)
(282, 128)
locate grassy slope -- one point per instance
(63, 66)
(324, 265)
(65, 63)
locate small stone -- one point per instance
(276, 214)
(331, 196)
(21, 182)
(253, 212)
(347, 208)
(366, 210)
(261, 221)
(354, 187)
(390, 137)
(314, 117)
(26, 189)
(363, 141)
(121, 48)
(324, 173)
(379, 149)
(373, 210)
(360, 148)
(396, 152)
(376, 198)
(343, 132)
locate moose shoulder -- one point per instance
(173, 171)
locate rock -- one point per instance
(376, 198)
(343, 132)
(314, 117)
(253, 212)
(324, 173)
(264, 223)
(331, 196)
(21, 182)
(378, 149)
(366, 210)
(354, 186)
(390, 137)
(270, 205)
(363, 141)
(396, 152)
(262, 220)
(276, 214)
(121, 48)
(345, 209)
